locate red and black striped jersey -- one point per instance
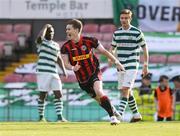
(82, 52)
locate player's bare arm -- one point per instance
(68, 65)
(61, 64)
(42, 33)
(112, 51)
(146, 60)
(102, 50)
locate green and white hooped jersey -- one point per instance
(128, 44)
(48, 54)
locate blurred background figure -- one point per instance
(145, 87)
(176, 82)
(176, 90)
(164, 99)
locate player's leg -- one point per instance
(58, 103)
(95, 83)
(124, 91)
(104, 101)
(116, 113)
(169, 119)
(123, 100)
(127, 85)
(41, 105)
(100, 97)
(133, 106)
(129, 80)
(56, 86)
(160, 118)
(94, 89)
(43, 89)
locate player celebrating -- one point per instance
(78, 56)
(47, 75)
(127, 41)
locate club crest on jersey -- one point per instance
(83, 47)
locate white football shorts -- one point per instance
(126, 79)
(48, 82)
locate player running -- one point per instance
(78, 55)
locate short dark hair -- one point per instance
(77, 24)
(45, 29)
(162, 77)
(176, 78)
(126, 11)
(148, 76)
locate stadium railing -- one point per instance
(18, 102)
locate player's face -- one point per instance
(146, 82)
(49, 33)
(177, 84)
(125, 20)
(165, 82)
(71, 32)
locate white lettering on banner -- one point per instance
(65, 9)
(44, 5)
(78, 5)
(167, 13)
(158, 15)
(153, 15)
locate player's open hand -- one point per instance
(120, 67)
(76, 67)
(65, 75)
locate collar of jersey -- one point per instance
(47, 40)
(127, 29)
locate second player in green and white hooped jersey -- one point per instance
(48, 54)
(128, 44)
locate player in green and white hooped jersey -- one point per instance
(47, 73)
(126, 44)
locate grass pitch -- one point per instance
(89, 129)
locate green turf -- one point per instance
(89, 129)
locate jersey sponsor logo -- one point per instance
(81, 57)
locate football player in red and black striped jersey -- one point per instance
(78, 56)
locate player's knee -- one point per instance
(42, 96)
(125, 92)
(57, 94)
(92, 93)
